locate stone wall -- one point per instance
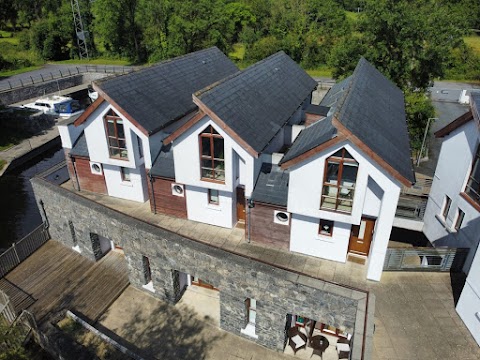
(278, 292)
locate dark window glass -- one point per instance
(212, 158)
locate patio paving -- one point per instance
(415, 315)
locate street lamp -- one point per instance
(424, 139)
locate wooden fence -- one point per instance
(22, 249)
(425, 259)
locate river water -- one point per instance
(19, 214)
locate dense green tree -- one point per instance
(419, 109)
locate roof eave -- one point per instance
(455, 124)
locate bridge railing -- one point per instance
(29, 80)
(425, 259)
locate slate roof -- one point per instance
(163, 164)
(372, 108)
(317, 109)
(272, 185)
(80, 147)
(257, 102)
(475, 104)
(310, 137)
(162, 93)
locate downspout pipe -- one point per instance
(250, 205)
(153, 193)
(76, 183)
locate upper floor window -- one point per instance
(212, 157)
(459, 220)
(339, 182)
(446, 206)
(117, 146)
(473, 183)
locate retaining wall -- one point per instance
(278, 292)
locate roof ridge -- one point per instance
(240, 72)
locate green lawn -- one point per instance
(19, 71)
(100, 61)
(322, 71)
(474, 42)
(2, 163)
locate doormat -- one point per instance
(356, 259)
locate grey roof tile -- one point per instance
(257, 102)
(310, 137)
(272, 185)
(162, 93)
(317, 109)
(373, 109)
(80, 147)
(163, 164)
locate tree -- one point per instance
(409, 41)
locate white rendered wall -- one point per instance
(198, 208)
(187, 171)
(376, 194)
(304, 238)
(468, 306)
(135, 189)
(69, 134)
(451, 175)
(96, 138)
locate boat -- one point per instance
(63, 106)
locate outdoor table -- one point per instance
(319, 344)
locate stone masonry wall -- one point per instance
(278, 292)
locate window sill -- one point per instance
(249, 331)
(469, 200)
(214, 207)
(149, 287)
(443, 221)
(336, 211)
(213, 181)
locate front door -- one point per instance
(361, 237)
(241, 205)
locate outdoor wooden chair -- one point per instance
(296, 339)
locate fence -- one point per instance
(7, 309)
(425, 259)
(411, 207)
(60, 73)
(22, 249)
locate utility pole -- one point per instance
(81, 34)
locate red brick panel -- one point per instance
(164, 201)
(312, 118)
(263, 230)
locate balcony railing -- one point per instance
(411, 207)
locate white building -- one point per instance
(452, 214)
(322, 180)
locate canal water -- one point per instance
(19, 214)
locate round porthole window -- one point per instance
(178, 189)
(281, 216)
(96, 168)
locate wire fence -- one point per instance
(59, 73)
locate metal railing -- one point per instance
(29, 80)
(22, 249)
(411, 207)
(425, 259)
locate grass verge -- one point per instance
(100, 61)
(19, 71)
(2, 164)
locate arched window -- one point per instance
(212, 158)
(339, 182)
(117, 145)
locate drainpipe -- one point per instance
(250, 205)
(153, 193)
(76, 183)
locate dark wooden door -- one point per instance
(241, 204)
(200, 282)
(361, 236)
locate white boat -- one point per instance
(62, 106)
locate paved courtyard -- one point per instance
(415, 316)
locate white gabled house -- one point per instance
(452, 215)
(247, 148)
